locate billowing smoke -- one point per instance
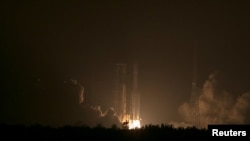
(54, 103)
(217, 106)
(86, 114)
(107, 118)
(81, 89)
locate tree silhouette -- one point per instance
(146, 133)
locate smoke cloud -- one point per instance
(179, 124)
(107, 118)
(81, 89)
(92, 115)
(217, 106)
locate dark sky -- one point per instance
(44, 44)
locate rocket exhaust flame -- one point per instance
(133, 124)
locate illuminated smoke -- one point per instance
(81, 89)
(179, 124)
(241, 109)
(107, 118)
(98, 110)
(217, 106)
(91, 115)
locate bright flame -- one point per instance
(133, 124)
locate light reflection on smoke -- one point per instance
(217, 106)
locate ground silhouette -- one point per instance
(146, 133)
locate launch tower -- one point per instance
(194, 102)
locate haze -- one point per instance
(51, 50)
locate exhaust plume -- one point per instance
(217, 106)
(91, 115)
(107, 118)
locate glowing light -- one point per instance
(133, 124)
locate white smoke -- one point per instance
(217, 106)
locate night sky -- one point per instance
(47, 45)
